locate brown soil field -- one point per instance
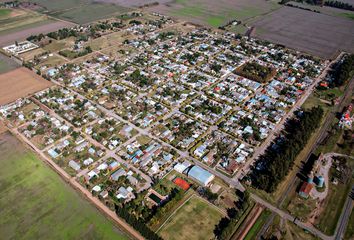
(20, 83)
(11, 37)
(318, 34)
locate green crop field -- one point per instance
(194, 215)
(36, 204)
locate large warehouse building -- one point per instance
(200, 175)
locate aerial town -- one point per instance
(171, 128)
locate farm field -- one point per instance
(215, 13)
(90, 12)
(194, 214)
(52, 6)
(19, 83)
(321, 35)
(79, 11)
(17, 24)
(7, 64)
(37, 204)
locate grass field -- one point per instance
(36, 204)
(216, 13)
(5, 12)
(196, 219)
(7, 64)
(90, 12)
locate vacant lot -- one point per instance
(7, 64)
(36, 204)
(215, 13)
(19, 83)
(318, 34)
(196, 219)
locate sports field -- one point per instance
(196, 219)
(20, 83)
(36, 204)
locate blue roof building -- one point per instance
(201, 175)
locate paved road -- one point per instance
(287, 216)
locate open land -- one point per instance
(36, 204)
(194, 214)
(20, 83)
(320, 35)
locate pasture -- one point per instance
(36, 203)
(20, 83)
(215, 13)
(194, 215)
(318, 34)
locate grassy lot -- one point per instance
(333, 205)
(349, 233)
(36, 204)
(252, 233)
(7, 64)
(90, 12)
(196, 219)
